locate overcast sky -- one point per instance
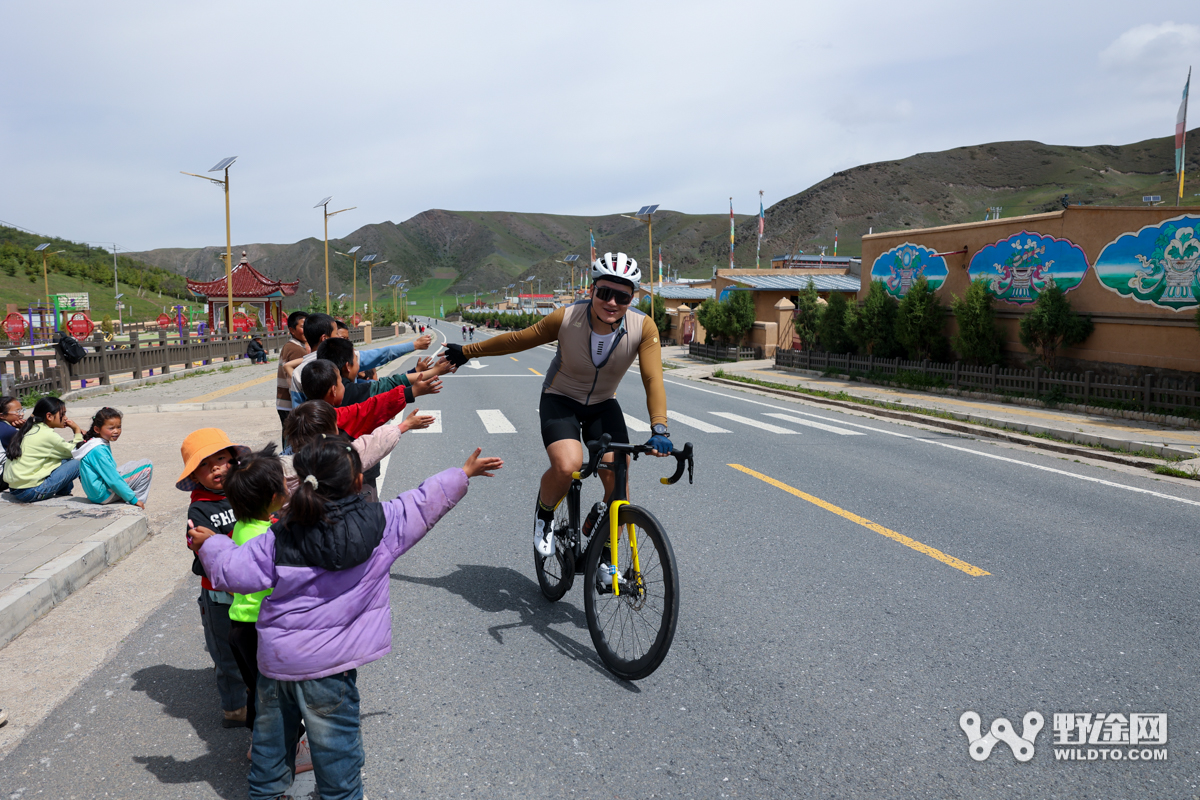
(567, 107)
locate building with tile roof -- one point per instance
(260, 295)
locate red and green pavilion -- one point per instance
(251, 289)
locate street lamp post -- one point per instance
(570, 262)
(324, 206)
(222, 165)
(371, 265)
(46, 277)
(645, 215)
(350, 253)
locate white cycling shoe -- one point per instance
(543, 537)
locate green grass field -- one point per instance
(20, 291)
(428, 296)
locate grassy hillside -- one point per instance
(959, 185)
(83, 269)
(490, 249)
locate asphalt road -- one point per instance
(833, 629)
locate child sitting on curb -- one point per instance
(39, 462)
(103, 481)
(328, 562)
(208, 456)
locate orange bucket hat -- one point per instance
(199, 445)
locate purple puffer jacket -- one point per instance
(320, 622)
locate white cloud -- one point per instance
(1149, 45)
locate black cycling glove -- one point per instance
(454, 355)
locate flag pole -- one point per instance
(731, 233)
(758, 250)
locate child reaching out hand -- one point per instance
(103, 481)
(328, 562)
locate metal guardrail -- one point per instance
(1081, 387)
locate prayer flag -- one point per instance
(731, 233)
(761, 226)
(1181, 133)
(835, 241)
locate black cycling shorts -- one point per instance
(564, 418)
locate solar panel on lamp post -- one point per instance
(324, 206)
(570, 262)
(371, 284)
(223, 166)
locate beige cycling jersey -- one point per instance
(572, 373)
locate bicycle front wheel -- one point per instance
(632, 630)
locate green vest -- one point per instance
(245, 606)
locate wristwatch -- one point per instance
(658, 429)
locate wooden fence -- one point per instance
(144, 354)
(1070, 387)
(716, 352)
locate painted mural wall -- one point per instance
(902, 266)
(1022, 266)
(1159, 264)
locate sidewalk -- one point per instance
(1089, 430)
(50, 549)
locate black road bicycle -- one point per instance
(630, 580)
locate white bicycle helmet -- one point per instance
(619, 267)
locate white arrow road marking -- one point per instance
(474, 364)
(701, 425)
(495, 421)
(811, 424)
(766, 426)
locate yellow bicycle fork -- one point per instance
(613, 537)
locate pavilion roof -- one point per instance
(247, 282)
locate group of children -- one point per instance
(38, 463)
(294, 551)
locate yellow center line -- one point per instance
(866, 523)
(534, 371)
(514, 358)
(204, 398)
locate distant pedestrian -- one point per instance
(39, 463)
(256, 352)
(102, 480)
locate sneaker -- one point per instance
(234, 719)
(303, 757)
(543, 537)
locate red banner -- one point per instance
(270, 325)
(164, 321)
(80, 325)
(14, 326)
(241, 323)
(356, 320)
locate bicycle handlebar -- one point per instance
(597, 449)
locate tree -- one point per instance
(919, 323)
(832, 332)
(729, 320)
(872, 326)
(106, 324)
(1053, 324)
(978, 341)
(660, 312)
(808, 316)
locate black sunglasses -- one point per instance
(606, 293)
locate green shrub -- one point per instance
(978, 340)
(1053, 324)
(808, 316)
(832, 332)
(919, 323)
(727, 321)
(872, 326)
(660, 312)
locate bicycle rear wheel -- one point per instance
(632, 631)
(556, 572)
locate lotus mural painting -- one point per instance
(1024, 265)
(1160, 264)
(899, 268)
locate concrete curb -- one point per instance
(977, 429)
(169, 408)
(48, 585)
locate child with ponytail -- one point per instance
(103, 481)
(39, 462)
(327, 562)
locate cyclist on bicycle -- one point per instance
(598, 339)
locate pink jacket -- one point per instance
(371, 448)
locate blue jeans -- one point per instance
(329, 708)
(59, 482)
